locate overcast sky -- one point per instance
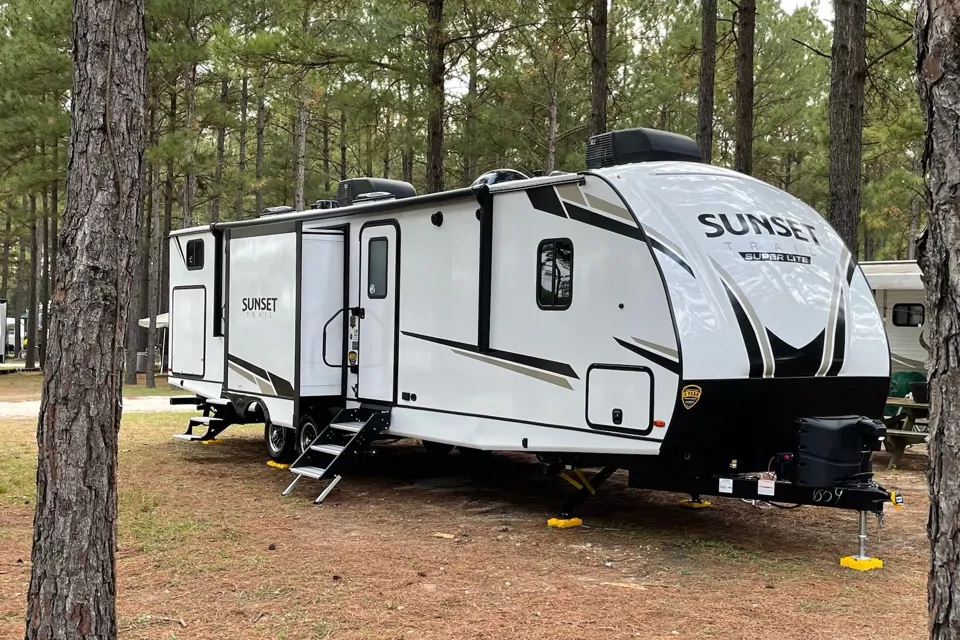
(824, 9)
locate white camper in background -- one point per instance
(898, 288)
(6, 338)
(679, 320)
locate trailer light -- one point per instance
(733, 463)
(659, 423)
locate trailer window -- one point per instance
(555, 274)
(907, 315)
(195, 254)
(377, 268)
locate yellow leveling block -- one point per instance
(558, 523)
(694, 504)
(861, 564)
(278, 465)
(214, 441)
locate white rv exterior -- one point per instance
(6, 338)
(898, 289)
(690, 285)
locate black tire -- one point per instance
(436, 448)
(307, 432)
(280, 442)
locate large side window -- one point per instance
(907, 315)
(555, 274)
(377, 267)
(195, 254)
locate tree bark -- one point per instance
(299, 161)
(18, 324)
(55, 209)
(242, 150)
(261, 127)
(848, 73)
(190, 177)
(938, 71)
(551, 127)
(436, 72)
(153, 250)
(598, 67)
(72, 593)
(31, 355)
(168, 198)
(743, 145)
(221, 141)
(325, 132)
(470, 118)
(708, 73)
(44, 314)
(5, 276)
(343, 145)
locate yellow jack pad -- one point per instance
(278, 465)
(695, 504)
(210, 441)
(567, 523)
(861, 564)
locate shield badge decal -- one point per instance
(690, 395)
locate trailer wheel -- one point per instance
(280, 441)
(436, 448)
(307, 433)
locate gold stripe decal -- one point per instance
(539, 375)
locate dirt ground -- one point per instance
(415, 547)
(18, 387)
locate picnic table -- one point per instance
(913, 431)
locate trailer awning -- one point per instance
(163, 320)
(897, 275)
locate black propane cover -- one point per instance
(831, 451)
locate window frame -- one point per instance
(909, 311)
(186, 255)
(386, 267)
(555, 278)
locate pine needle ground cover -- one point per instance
(416, 547)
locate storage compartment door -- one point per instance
(620, 398)
(188, 330)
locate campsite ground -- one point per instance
(22, 386)
(416, 547)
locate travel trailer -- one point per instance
(898, 289)
(702, 329)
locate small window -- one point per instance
(195, 254)
(907, 315)
(555, 274)
(377, 268)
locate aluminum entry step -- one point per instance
(332, 449)
(310, 472)
(221, 402)
(189, 437)
(207, 420)
(353, 427)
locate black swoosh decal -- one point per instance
(656, 358)
(750, 340)
(559, 368)
(281, 385)
(792, 362)
(670, 253)
(546, 199)
(850, 268)
(839, 341)
(603, 222)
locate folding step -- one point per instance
(220, 402)
(334, 449)
(353, 427)
(311, 472)
(213, 424)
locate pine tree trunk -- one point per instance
(55, 208)
(168, 197)
(72, 593)
(743, 145)
(551, 128)
(470, 118)
(5, 274)
(221, 141)
(190, 177)
(848, 73)
(242, 150)
(436, 71)
(261, 128)
(132, 339)
(299, 168)
(18, 324)
(31, 356)
(44, 277)
(343, 145)
(325, 132)
(708, 73)
(153, 249)
(938, 68)
(598, 66)
(406, 161)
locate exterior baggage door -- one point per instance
(379, 253)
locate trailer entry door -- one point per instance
(379, 250)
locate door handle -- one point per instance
(324, 349)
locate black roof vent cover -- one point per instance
(639, 145)
(348, 190)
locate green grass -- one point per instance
(16, 387)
